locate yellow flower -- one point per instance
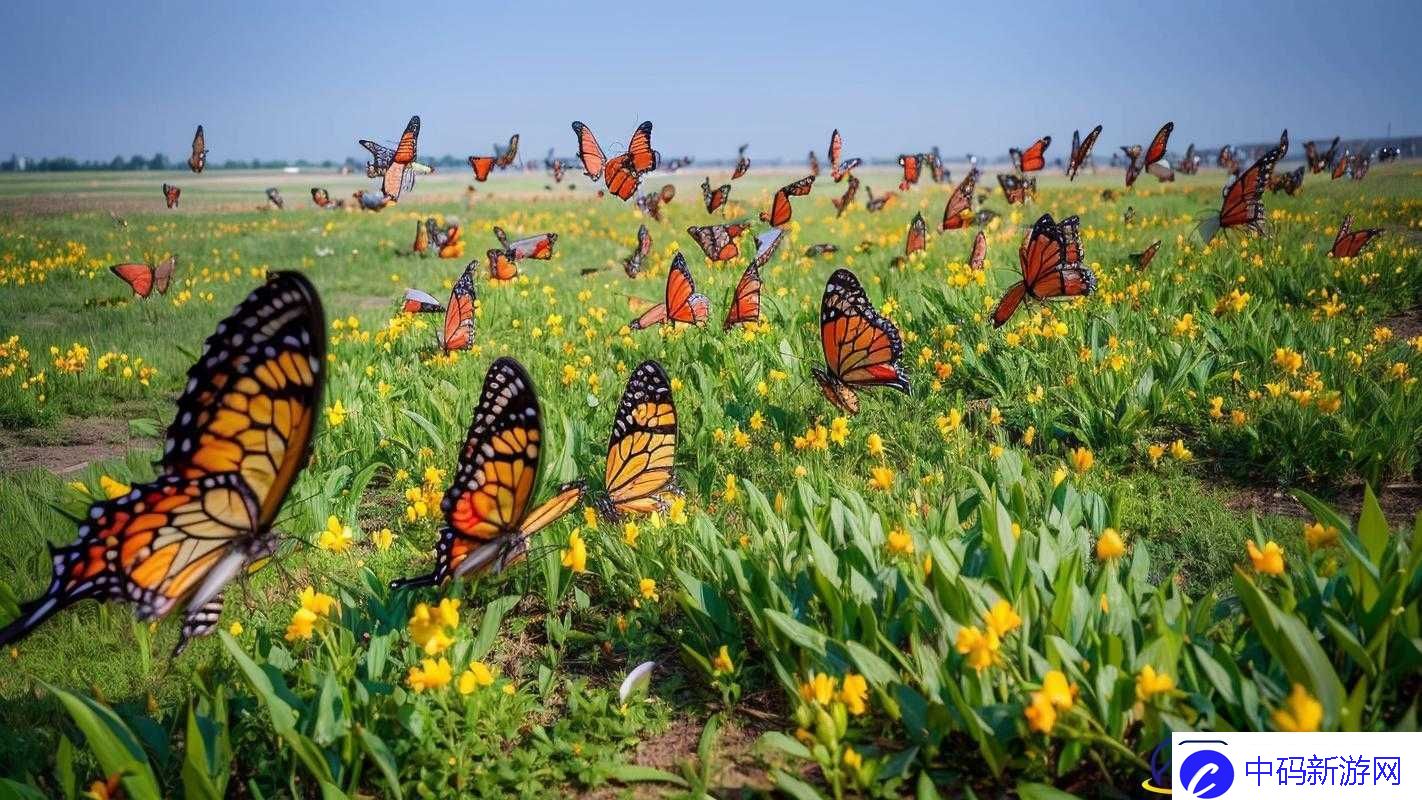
(852, 759)
(900, 542)
(1029, 436)
(1317, 535)
(1149, 683)
(854, 693)
(383, 539)
(722, 664)
(980, 648)
(648, 588)
(875, 445)
(336, 537)
(590, 516)
(113, 488)
(1002, 619)
(1041, 717)
(1110, 545)
(575, 557)
(317, 603)
(1058, 475)
(302, 626)
(431, 674)
(729, 494)
(676, 515)
(882, 478)
(336, 415)
(839, 430)
(477, 676)
(1082, 459)
(630, 532)
(818, 689)
(1155, 451)
(1288, 360)
(1058, 691)
(428, 626)
(1301, 713)
(1269, 561)
(1179, 451)
(235, 628)
(1216, 407)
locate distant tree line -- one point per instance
(159, 161)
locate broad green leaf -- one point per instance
(112, 743)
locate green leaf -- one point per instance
(1041, 791)
(14, 790)
(794, 787)
(64, 768)
(383, 758)
(489, 627)
(798, 632)
(874, 669)
(785, 744)
(636, 773)
(204, 769)
(1290, 641)
(282, 716)
(112, 743)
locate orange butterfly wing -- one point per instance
(861, 347)
(589, 151)
(1156, 151)
(482, 166)
(1034, 158)
(139, 277)
(458, 331)
(641, 453)
(405, 151)
(917, 235)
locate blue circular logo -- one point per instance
(1206, 774)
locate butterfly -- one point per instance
(935, 165)
(861, 347)
(274, 197)
(1190, 164)
(1289, 182)
(1153, 161)
(716, 199)
(1050, 260)
(917, 238)
(814, 163)
(1016, 189)
(458, 330)
(446, 241)
(144, 278)
(1128, 216)
(816, 250)
(239, 440)
(1349, 243)
(198, 159)
(623, 173)
(912, 165)
(839, 169)
(394, 166)
(780, 210)
(651, 205)
(681, 303)
(421, 244)
(979, 254)
(1360, 166)
(504, 156)
(959, 211)
(1081, 150)
(501, 265)
(372, 201)
(1226, 161)
(1243, 205)
(641, 454)
(538, 247)
(1319, 162)
(482, 166)
(842, 202)
(418, 302)
(170, 195)
(633, 265)
(321, 197)
(718, 242)
(558, 168)
(1143, 258)
(984, 216)
(877, 203)
(745, 299)
(1341, 167)
(488, 508)
(1032, 159)
(742, 163)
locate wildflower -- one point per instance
(235, 628)
(630, 532)
(113, 488)
(1058, 691)
(721, 664)
(1317, 535)
(900, 542)
(431, 674)
(757, 421)
(1217, 407)
(854, 693)
(1058, 475)
(1288, 360)
(336, 415)
(852, 759)
(676, 514)
(1179, 451)
(729, 493)
(1110, 546)
(882, 478)
(428, 626)
(1002, 619)
(383, 539)
(1082, 459)
(575, 557)
(477, 676)
(1041, 717)
(875, 445)
(316, 602)
(1029, 436)
(1269, 561)
(979, 647)
(1155, 451)
(648, 588)
(336, 537)
(839, 430)
(302, 626)
(1301, 713)
(1149, 683)
(818, 689)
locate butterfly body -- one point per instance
(861, 347)
(641, 453)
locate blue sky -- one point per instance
(301, 80)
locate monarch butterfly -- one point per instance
(372, 201)
(718, 242)
(912, 165)
(504, 156)
(1360, 166)
(488, 508)
(482, 166)
(633, 265)
(1081, 150)
(447, 241)
(979, 254)
(816, 250)
(1316, 162)
(959, 211)
(502, 266)
(170, 195)
(984, 216)
(558, 168)
(1190, 164)
(861, 347)
(198, 159)
(917, 238)
(418, 302)
(421, 245)
(320, 197)
(1128, 216)
(716, 199)
(1050, 260)
(742, 163)
(839, 169)
(394, 165)
(1349, 243)
(1341, 167)
(877, 203)
(144, 278)
(538, 247)
(745, 298)
(935, 165)
(780, 210)
(1016, 189)
(1153, 160)
(641, 453)
(1033, 158)
(842, 202)
(1290, 182)
(681, 302)
(623, 173)
(1142, 259)
(1243, 205)
(239, 440)
(458, 330)
(274, 197)
(814, 163)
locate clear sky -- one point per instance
(92, 79)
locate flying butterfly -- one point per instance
(633, 265)
(1081, 150)
(198, 159)
(1340, 168)
(742, 163)
(839, 169)
(1142, 259)
(501, 265)
(959, 211)
(457, 333)
(718, 242)
(170, 195)
(144, 278)
(1190, 164)
(1243, 204)
(395, 167)
(912, 164)
(977, 258)
(873, 204)
(1349, 243)
(321, 197)
(716, 199)
(504, 156)
(813, 162)
(745, 298)
(780, 210)
(1050, 262)
(1289, 182)
(274, 197)
(1016, 189)
(1033, 158)
(418, 302)
(681, 302)
(917, 238)
(240, 438)
(641, 453)
(1360, 165)
(935, 166)
(861, 347)
(482, 166)
(488, 508)
(538, 247)
(1318, 162)
(622, 173)
(817, 250)
(842, 202)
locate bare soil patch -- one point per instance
(1406, 324)
(1400, 502)
(71, 446)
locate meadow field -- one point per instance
(1186, 502)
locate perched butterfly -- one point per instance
(681, 302)
(633, 265)
(274, 197)
(1349, 243)
(501, 264)
(482, 166)
(1288, 182)
(418, 302)
(641, 454)
(488, 508)
(861, 347)
(458, 330)
(371, 201)
(557, 169)
(170, 195)
(446, 241)
(651, 205)
(842, 202)
(1142, 259)
(622, 173)
(1128, 216)
(1190, 164)
(321, 197)
(873, 204)
(979, 254)
(538, 247)
(504, 156)
(239, 440)
(814, 163)
(816, 250)
(912, 165)
(959, 211)
(421, 245)
(1243, 205)
(1016, 189)
(1340, 168)
(395, 166)
(745, 299)
(718, 242)
(742, 163)
(144, 278)
(839, 169)
(1360, 166)
(1033, 158)
(917, 238)
(935, 166)
(1081, 150)
(716, 199)
(1319, 162)
(780, 210)
(1050, 260)
(198, 159)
